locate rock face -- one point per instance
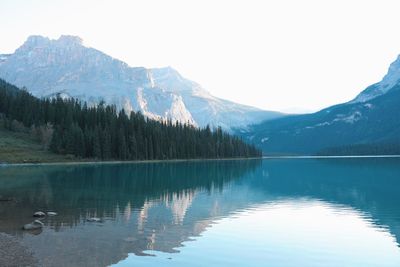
(371, 119)
(67, 68)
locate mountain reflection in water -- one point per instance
(153, 208)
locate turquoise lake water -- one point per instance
(271, 212)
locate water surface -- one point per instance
(272, 212)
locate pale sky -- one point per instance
(276, 55)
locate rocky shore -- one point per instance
(13, 253)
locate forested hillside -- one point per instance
(70, 127)
(353, 128)
(367, 125)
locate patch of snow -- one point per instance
(350, 118)
(368, 105)
(151, 78)
(178, 111)
(325, 123)
(3, 58)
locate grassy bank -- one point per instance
(19, 147)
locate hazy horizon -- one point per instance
(285, 56)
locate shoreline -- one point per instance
(187, 160)
(331, 157)
(120, 162)
(14, 253)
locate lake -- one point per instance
(270, 212)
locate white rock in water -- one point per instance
(93, 219)
(36, 224)
(51, 213)
(39, 214)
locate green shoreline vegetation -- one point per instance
(66, 130)
(19, 147)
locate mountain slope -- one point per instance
(65, 67)
(372, 118)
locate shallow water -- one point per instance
(271, 212)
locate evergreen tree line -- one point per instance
(102, 132)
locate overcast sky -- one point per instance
(275, 55)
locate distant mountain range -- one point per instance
(65, 67)
(369, 124)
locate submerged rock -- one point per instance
(130, 239)
(36, 224)
(93, 219)
(39, 214)
(6, 199)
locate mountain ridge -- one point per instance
(64, 66)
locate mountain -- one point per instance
(67, 68)
(370, 123)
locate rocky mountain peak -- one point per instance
(393, 75)
(64, 66)
(69, 40)
(391, 79)
(38, 41)
(34, 41)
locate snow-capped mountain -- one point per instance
(371, 120)
(66, 67)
